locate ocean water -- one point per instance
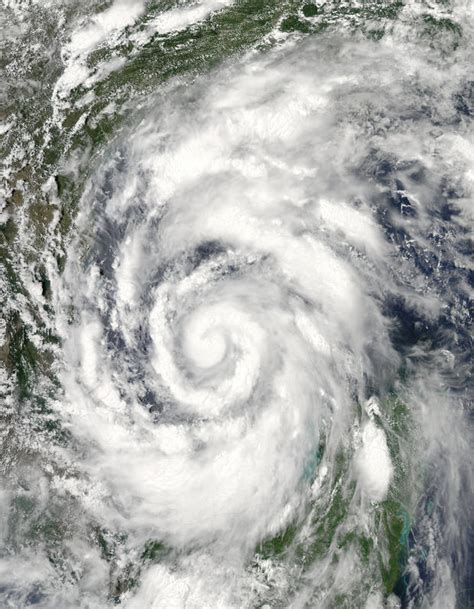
(236, 289)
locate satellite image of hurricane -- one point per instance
(236, 289)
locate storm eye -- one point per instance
(205, 251)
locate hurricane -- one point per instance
(237, 295)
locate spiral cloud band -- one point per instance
(234, 309)
(249, 322)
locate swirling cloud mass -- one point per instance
(264, 352)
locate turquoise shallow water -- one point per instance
(236, 346)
